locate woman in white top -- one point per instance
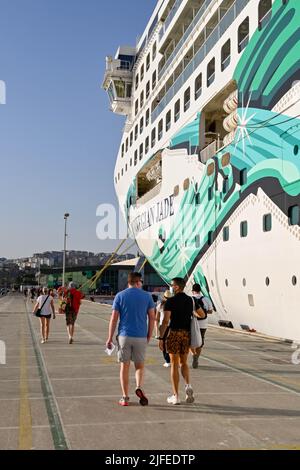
(46, 301)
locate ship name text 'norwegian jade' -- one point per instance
(208, 170)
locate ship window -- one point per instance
(211, 67)
(131, 138)
(141, 125)
(126, 148)
(243, 34)
(177, 111)
(197, 198)
(210, 193)
(128, 90)
(126, 167)
(264, 12)
(147, 145)
(148, 62)
(119, 176)
(176, 190)
(131, 162)
(267, 281)
(142, 99)
(116, 180)
(136, 131)
(225, 55)
(147, 117)
(135, 157)
(296, 149)
(154, 80)
(122, 152)
(154, 50)
(141, 151)
(187, 99)
(197, 241)
(226, 234)
(186, 184)
(244, 282)
(294, 215)
(168, 120)
(244, 229)
(210, 237)
(136, 107)
(136, 81)
(267, 222)
(294, 280)
(153, 137)
(120, 88)
(225, 185)
(160, 129)
(142, 72)
(243, 176)
(198, 86)
(122, 172)
(226, 283)
(147, 90)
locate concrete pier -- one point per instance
(62, 396)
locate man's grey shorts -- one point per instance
(131, 349)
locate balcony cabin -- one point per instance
(212, 131)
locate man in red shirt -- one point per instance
(74, 297)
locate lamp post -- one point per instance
(66, 215)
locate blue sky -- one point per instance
(58, 139)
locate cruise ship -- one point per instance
(208, 170)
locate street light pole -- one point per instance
(66, 215)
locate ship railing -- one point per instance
(225, 62)
(264, 20)
(184, 38)
(243, 43)
(198, 58)
(211, 149)
(149, 195)
(170, 18)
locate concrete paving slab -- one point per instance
(238, 405)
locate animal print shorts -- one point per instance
(178, 342)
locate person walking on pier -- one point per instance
(45, 302)
(133, 311)
(207, 306)
(178, 312)
(158, 322)
(72, 301)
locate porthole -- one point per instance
(296, 149)
(225, 159)
(267, 281)
(294, 280)
(176, 191)
(226, 283)
(244, 282)
(212, 283)
(210, 169)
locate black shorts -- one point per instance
(46, 316)
(71, 317)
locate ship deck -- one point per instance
(61, 396)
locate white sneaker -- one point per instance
(189, 394)
(173, 400)
(43, 341)
(167, 364)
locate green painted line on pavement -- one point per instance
(58, 435)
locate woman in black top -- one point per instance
(178, 311)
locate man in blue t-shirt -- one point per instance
(132, 308)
